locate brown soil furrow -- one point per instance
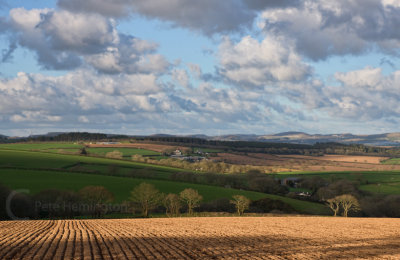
(117, 250)
(175, 251)
(206, 238)
(55, 244)
(158, 250)
(13, 228)
(15, 232)
(64, 242)
(41, 253)
(87, 250)
(96, 248)
(36, 244)
(135, 252)
(70, 244)
(140, 245)
(73, 244)
(184, 248)
(16, 246)
(103, 238)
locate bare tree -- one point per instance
(349, 203)
(192, 198)
(96, 197)
(241, 203)
(334, 205)
(172, 204)
(147, 197)
(114, 154)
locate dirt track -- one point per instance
(202, 238)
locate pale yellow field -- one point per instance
(202, 238)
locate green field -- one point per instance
(127, 152)
(392, 161)
(36, 160)
(387, 188)
(208, 150)
(75, 148)
(36, 181)
(39, 146)
(363, 177)
(37, 171)
(383, 182)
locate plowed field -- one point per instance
(202, 238)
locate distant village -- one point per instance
(177, 154)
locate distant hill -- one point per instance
(290, 133)
(50, 134)
(161, 135)
(389, 139)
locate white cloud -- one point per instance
(104, 7)
(207, 16)
(324, 28)
(84, 98)
(365, 94)
(65, 40)
(34, 116)
(254, 63)
(122, 81)
(181, 77)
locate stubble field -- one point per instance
(310, 163)
(202, 238)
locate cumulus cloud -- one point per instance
(130, 55)
(66, 40)
(253, 63)
(324, 28)
(26, 23)
(120, 80)
(181, 77)
(207, 16)
(85, 97)
(34, 116)
(365, 94)
(114, 8)
(264, 4)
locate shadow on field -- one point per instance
(216, 247)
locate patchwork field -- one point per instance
(312, 163)
(147, 146)
(125, 151)
(38, 171)
(202, 238)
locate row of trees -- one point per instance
(148, 198)
(344, 197)
(97, 201)
(275, 148)
(228, 146)
(203, 166)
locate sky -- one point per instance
(199, 67)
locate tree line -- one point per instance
(97, 201)
(344, 197)
(317, 149)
